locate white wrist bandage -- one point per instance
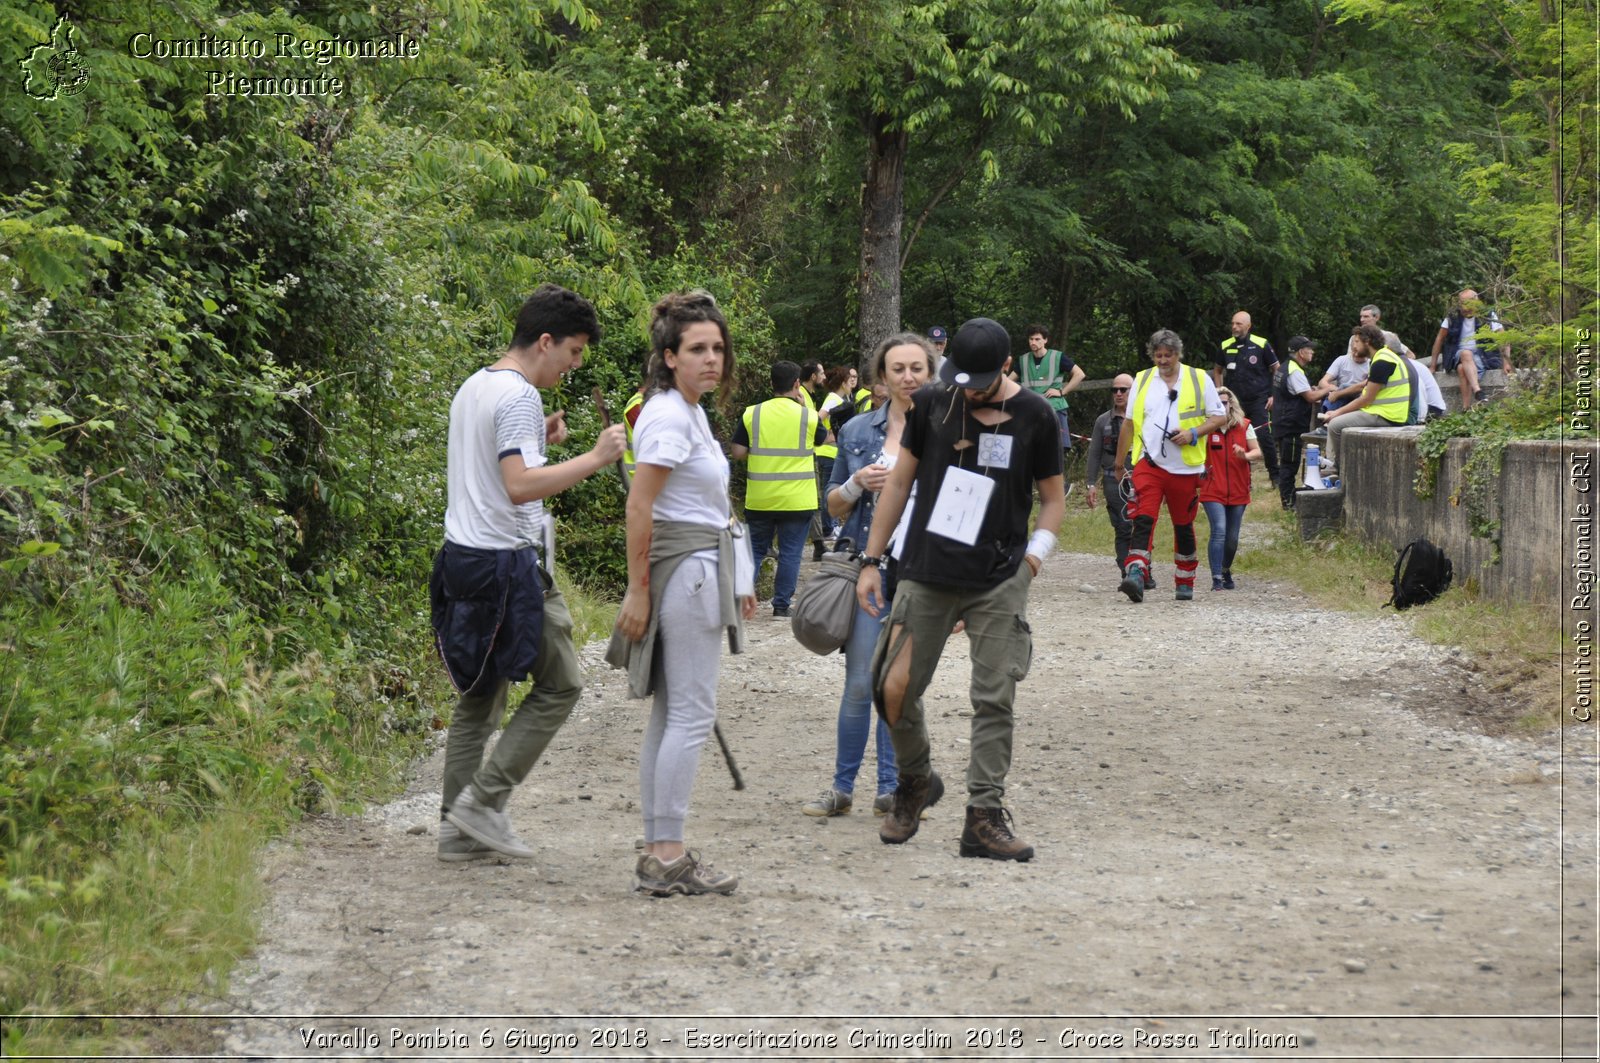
(851, 491)
(1040, 544)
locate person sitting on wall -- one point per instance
(1386, 400)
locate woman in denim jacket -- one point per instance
(868, 447)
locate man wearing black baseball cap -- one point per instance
(976, 450)
(1294, 401)
(940, 339)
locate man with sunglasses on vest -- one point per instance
(1171, 411)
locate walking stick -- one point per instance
(622, 476)
(733, 769)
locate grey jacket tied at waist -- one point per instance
(670, 543)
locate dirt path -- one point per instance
(1286, 850)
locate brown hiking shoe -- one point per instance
(910, 798)
(988, 834)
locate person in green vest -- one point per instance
(1050, 374)
(779, 439)
(1384, 403)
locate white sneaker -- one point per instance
(489, 826)
(457, 848)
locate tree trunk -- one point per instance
(882, 214)
(1064, 293)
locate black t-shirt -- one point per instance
(1021, 451)
(1381, 372)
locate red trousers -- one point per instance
(1153, 485)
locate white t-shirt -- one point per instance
(495, 414)
(1469, 331)
(672, 433)
(1427, 388)
(1345, 371)
(1161, 418)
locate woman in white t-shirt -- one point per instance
(680, 594)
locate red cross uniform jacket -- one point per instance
(1227, 478)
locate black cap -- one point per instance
(976, 354)
(1297, 342)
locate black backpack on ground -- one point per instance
(1421, 574)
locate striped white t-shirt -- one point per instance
(495, 414)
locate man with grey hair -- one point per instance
(1370, 315)
(1172, 410)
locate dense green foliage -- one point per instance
(1540, 414)
(230, 326)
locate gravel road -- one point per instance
(1264, 830)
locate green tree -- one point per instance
(968, 76)
(1531, 170)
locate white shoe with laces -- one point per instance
(488, 825)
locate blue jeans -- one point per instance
(824, 473)
(790, 528)
(855, 711)
(1066, 430)
(1225, 524)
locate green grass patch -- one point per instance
(593, 611)
(149, 745)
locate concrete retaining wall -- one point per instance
(1537, 497)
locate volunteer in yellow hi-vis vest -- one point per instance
(1172, 409)
(630, 414)
(779, 438)
(1386, 400)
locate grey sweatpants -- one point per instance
(687, 661)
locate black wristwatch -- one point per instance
(868, 559)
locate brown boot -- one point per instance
(988, 834)
(910, 798)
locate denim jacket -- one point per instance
(860, 444)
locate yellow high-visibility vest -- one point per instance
(1191, 413)
(825, 412)
(782, 471)
(1393, 402)
(636, 399)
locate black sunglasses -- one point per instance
(1119, 389)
